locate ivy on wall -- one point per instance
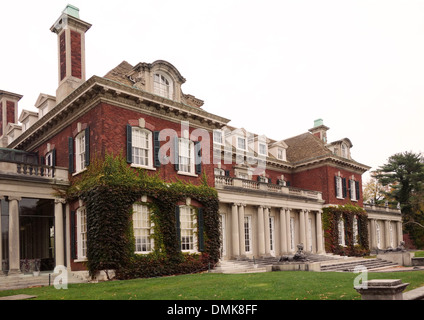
(109, 188)
(331, 218)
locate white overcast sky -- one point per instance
(271, 66)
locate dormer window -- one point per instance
(241, 143)
(162, 86)
(281, 154)
(262, 149)
(344, 151)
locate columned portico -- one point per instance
(59, 234)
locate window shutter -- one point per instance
(129, 143)
(178, 226)
(53, 158)
(288, 183)
(71, 154)
(344, 187)
(350, 189)
(198, 157)
(200, 223)
(176, 154)
(269, 180)
(335, 185)
(156, 148)
(227, 173)
(357, 190)
(72, 236)
(87, 146)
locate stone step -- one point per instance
(370, 264)
(239, 266)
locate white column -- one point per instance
(307, 245)
(267, 232)
(302, 227)
(58, 232)
(235, 230)
(320, 242)
(283, 231)
(288, 233)
(14, 257)
(241, 230)
(373, 235)
(261, 231)
(399, 232)
(386, 234)
(68, 237)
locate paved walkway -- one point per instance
(18, 297)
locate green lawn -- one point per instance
(285, 285)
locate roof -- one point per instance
(305, 146)
(119, 73)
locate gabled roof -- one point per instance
(119, 73)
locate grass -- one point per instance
(419, 254)
(284, 285)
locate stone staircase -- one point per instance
(239, 266)
(21, 281)
(349, 265)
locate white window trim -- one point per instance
(352, 186)
(157, 86)
(191, 171)
(193, 232)
(238, 145)
(79, 152)
(339, 187)
(283, 156)
(265, 153)
(149, 166)
(143, 206)
(221, 142)
(248, 234)
(80, 242)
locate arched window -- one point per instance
(162, 86)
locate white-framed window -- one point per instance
(344, 151)
(341, 232)
(188, 229)
(162, 86)
(142, 154)
(186, 156)
(80, 151)
(143, 229)
(262, 149)
(272, 235)
(248, 234)
(352, 190)
(218, 137)
(339, 187)
(241, 143)
(281, 154)
(81, 233)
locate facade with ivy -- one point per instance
(201, 190)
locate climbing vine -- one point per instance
(332, 216)
(109, 188)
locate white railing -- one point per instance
(222, 181)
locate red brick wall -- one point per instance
(62, 55)
(10, 112)
(108, 135)
(76, 54)
(322, 179)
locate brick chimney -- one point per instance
(70, 32)
(8, 113)
(320, 130)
